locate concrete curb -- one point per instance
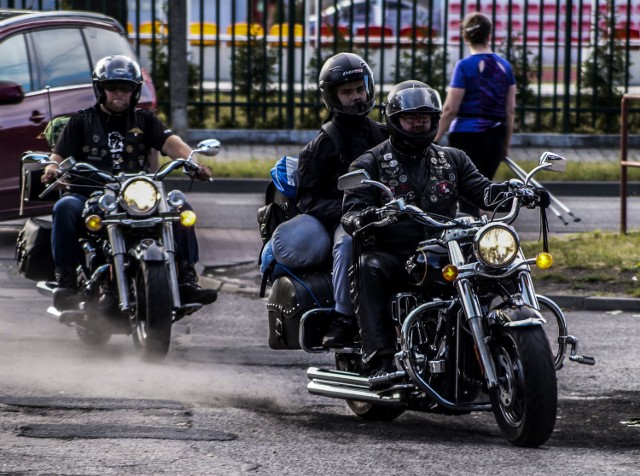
(227, 279)
(563, 189)
(600, 303)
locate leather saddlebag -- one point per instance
(289, 299)
(34, 258)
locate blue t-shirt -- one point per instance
(486, 79)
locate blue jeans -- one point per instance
(340, 277)
(68, 224)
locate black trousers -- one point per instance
(380, 275)
(486, 151)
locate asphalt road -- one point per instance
(224, 403)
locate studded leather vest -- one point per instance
(434, 189)
(98, 149)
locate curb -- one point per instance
(563, 189)
(600, 303)
(227, 279)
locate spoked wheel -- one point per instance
(555, 328)
(365, 410)
(526, 399)
(152, 318)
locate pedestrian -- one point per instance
(478, 111)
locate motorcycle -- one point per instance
(127, 281)
(470, 327)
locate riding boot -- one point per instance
(190, 291)
(66, 296)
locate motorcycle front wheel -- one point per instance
(152, 318)
(365, 410)
(526, 399)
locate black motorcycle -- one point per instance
(127, 282)
(471, 329)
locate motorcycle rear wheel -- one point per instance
(526, 400)
(93, 338)
(153, 311)
(366, 411)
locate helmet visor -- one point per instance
(414, 100)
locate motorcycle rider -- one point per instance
(348, 92)
(115, 136)
(426, 175)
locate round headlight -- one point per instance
(496, 245)
(139, 197)
(175, 199)
(107, 203)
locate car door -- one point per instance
(20, 124)
(53, 67)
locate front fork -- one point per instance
(119, 250)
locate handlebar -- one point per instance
(519, 194)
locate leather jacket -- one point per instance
(432, 181)
(322, 161)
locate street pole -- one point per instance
(178, 67)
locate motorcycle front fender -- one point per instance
(149, 250)
(515, 316)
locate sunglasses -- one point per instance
(123, 86)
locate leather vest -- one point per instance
(434, 189)
(97, 150)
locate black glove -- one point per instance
(544, 199)
(366, 216)
(495, 193)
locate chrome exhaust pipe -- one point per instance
(338, 376)
(348, 386)
(334, 390)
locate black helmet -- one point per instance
(117, 68)
(412, 97)
(344, 68)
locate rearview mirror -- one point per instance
(553, 162)
(208, 148)
(10, 93)
(352, 180)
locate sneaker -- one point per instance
(190, 291)
(342, 331)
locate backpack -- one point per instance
(280, 197)
(54, 128)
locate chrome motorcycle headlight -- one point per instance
(107, 203)
(175, 199)
(139, 197)
(496, 245)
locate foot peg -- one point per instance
(573, 356)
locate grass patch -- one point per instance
(597, 262)
(576, 172)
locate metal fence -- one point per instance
(255, 62)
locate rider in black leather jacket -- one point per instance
(348, 91)
(426, 175)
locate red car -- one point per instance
(46, 61)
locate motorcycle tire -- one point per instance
(93, 338)
(526, 399)
(365, 410)
(153, 316)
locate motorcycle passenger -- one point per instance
(115, 136)
(426, 175)
(348, 92)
